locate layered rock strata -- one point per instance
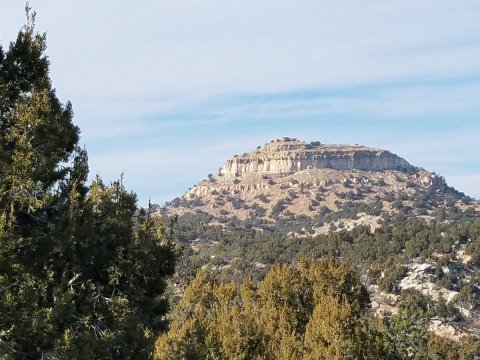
(288, 155)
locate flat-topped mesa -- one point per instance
(289, 155)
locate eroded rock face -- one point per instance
(287, 156)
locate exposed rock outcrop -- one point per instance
(288, 155)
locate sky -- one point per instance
(166, 91)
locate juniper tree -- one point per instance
(77, 280)
(314, 311)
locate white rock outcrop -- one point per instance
(419, 277)
(287, 156)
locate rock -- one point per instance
(288, 155)
(419, 278)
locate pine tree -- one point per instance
(77, 279)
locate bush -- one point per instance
(278, 207)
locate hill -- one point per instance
(323, 187)
(400, 226)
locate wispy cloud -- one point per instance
(155, 84)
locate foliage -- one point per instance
(315, 310)
(444, 349)
(77, 280)
(382, 253)
(406, 332)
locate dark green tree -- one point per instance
(406, 332)
(78, 278)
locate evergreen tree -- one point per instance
(406, 332)
(77, 279)
(314, 311)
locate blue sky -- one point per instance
(166, 91)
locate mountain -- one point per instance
(322, 186)
(400, 226)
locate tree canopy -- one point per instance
(314, 311)
(78, 278)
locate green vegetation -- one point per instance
(383, 257)
(389, 247)
(77, 280)
(315, 310)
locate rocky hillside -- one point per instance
(401, 226)
(333, 186)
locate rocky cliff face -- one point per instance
(288, 155)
